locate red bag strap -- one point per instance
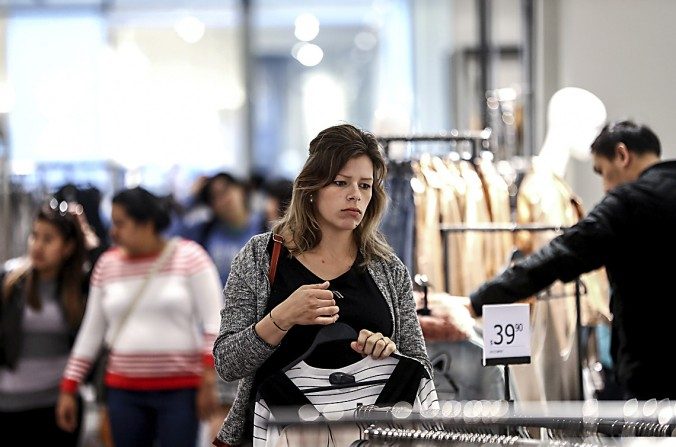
(276, 249)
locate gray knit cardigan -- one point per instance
(239, 351)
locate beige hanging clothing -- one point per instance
(544, 198)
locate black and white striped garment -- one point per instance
(384, 382)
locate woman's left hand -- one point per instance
(374, 344)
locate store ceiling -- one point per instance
(170, 4)
(105, 4)
(340, 21)
(268, 13)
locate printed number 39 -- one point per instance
(508, 334)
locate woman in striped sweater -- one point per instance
(160, 376)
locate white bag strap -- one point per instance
(159, 263)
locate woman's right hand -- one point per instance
(66, 412)
(309, 304)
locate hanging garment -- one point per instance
(545, 198)
(478, 246)
(497, 198)
(450, 206)
(399, 219)
(314, 390)
(429, 254)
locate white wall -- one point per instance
(623, 51)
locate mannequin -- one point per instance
(575, 118)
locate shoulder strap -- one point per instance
(161, 260)
(276, 249)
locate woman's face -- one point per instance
(341, 204)
(125, 231)
(47, 247)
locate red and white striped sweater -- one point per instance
(168, 339)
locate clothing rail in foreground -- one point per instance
(497, 422)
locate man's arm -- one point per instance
(584, 247)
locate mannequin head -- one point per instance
(574, 118)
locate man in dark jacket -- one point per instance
(632, 232)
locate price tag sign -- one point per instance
(506, 334)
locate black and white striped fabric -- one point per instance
(388, 381)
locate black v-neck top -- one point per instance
(363, 306)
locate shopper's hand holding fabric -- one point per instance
(374, 344)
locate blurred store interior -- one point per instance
(115, 93)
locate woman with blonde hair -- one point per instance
(324, 261)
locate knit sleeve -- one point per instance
(238, 350)
(411, 342)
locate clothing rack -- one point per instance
(567, 422)
(479, 140)
(493, 228)
(595, 423)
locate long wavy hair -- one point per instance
(71, 274)
(330, 150)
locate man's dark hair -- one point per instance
(638, 138)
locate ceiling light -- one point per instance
(310, 55)
(307, 27)
(190, 29)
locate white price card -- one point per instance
(506, 330)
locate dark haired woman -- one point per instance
(42, 300)
(164, 298)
